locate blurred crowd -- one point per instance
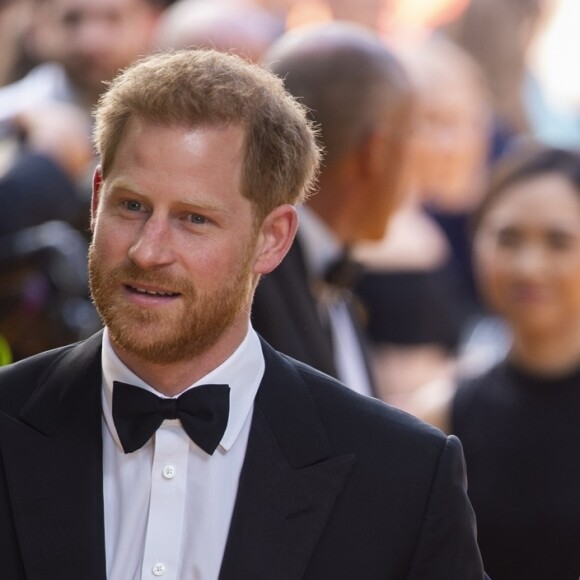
(448, 206)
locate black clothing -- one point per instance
(410, 307)
(333, 485)
(287, 313)
(521, 436)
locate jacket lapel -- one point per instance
(289, 481)
(57, 499)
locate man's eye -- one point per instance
(133, 205)
(197, 219)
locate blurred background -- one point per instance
(488, 75)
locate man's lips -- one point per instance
(150, 291)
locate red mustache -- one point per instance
(132, 275)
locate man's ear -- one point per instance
(275, 238)
(97, 185)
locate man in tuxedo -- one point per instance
(358, 94)
(176, 443)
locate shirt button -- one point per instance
(169, 472)
(158, 569)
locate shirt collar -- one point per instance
(242, 371)
(320, 245)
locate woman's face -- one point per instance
(527, 254)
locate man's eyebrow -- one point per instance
(199, 204)
(124, 183)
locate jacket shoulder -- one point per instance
(20, 379)
(341, 408)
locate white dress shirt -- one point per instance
(321, 248)
(168, 505)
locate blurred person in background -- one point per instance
(452, 141)
(417, 288)
(498, 34)
(40, 183)
(81, 45)
(44, 300)
(45, 122)
(359, 95)
(228, 25)
(454, 144)
(15, 17)
(518, 422)
(410, 306)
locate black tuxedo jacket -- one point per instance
(285, 313)
(333, 486)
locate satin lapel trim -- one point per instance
(288, 485)
(57, 498)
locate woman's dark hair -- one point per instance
(523, 163)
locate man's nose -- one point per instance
(152, 247)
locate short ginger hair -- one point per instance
(204, 88)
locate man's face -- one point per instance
(172, 262)
(94, 39)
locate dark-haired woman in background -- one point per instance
(519, 422)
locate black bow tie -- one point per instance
(344, 272)
(203, 412)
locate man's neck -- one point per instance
(173, 378)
